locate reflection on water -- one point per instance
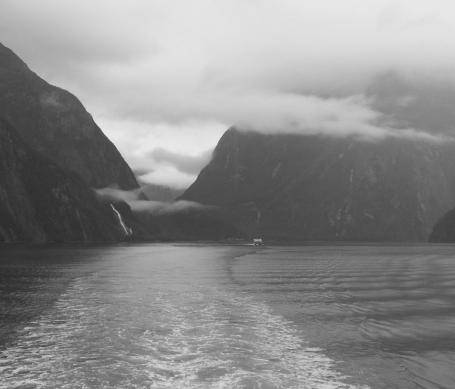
(157, 316)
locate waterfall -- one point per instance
(127, 230)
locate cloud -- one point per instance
(115, 194)
(190, 164)
(166, 175)
(162, 208)
(309, 114)
(173, 75)
(151, 59)
(136, 140)
(132, 198)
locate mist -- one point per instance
(137, 204)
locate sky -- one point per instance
(165, 79)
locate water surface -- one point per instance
(212, 316)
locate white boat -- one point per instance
(258, 242)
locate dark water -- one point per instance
(176, 316)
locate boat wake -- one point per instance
(104, 334)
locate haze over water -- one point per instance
(212, 316)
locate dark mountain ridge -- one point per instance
(54, 122)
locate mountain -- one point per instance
(54, 123)
(52, 154)
(311, 187)
(41, 202)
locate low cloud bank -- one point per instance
(115, 194)
(132, 198)
(162, 208)
(306, 115)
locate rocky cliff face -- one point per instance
(54, 123)
(322, 188)
(41, 202)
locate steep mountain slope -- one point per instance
(323, 188)
(41, 202)
(53, 122)
(444, 230)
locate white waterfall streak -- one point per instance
(127, 230)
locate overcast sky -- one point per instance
(164, 79)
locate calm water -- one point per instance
(187, 316)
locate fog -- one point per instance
(138, 204)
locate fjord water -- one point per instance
(213, 316)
